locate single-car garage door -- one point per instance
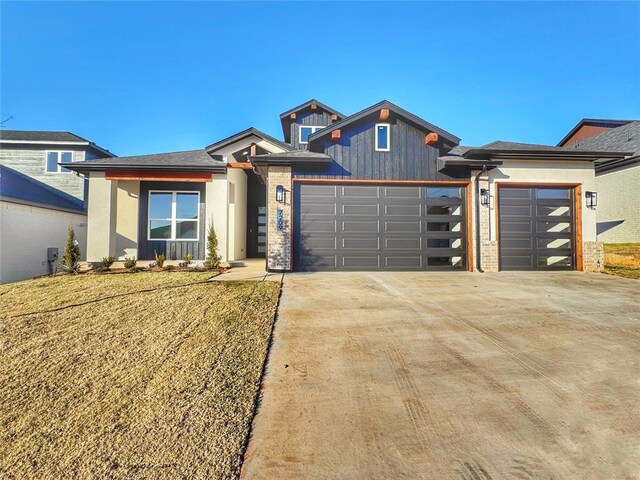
(536, 228)
(379, 227)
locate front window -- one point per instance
(174, 215)
(383, 131)
(53, 158)
(306, 130)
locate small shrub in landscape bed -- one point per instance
(213, 258)
(71, 257)
(129, 262)
(106, 262)
(160, 259)
(187, 259)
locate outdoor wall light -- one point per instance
(279, 194)
(592, 199)
(484, 197)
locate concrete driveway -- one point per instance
(451, 375)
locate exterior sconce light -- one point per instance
(484, 197)
(592, 199)
(279, 194)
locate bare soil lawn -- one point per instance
(622, 259)
(146, 375)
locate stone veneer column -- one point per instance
(488, 247)
(591, 253)
(279, 243)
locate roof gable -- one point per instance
(591, 122)
(244, 134)
(49, 137)
(625, 137)
(286, 120)
(400, 112)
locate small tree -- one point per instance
(213, 258)
(71, 257)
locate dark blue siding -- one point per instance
(308, 117)
(354, 156)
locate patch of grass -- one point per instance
(627, 272)
(149, 384)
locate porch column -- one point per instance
(279, 234)
(101, 217)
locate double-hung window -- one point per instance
(383, 137)
(53, 158)
(306, 130)
(173, 215)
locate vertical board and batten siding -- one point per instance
(175, 249)
(355, 158)
(311, 118)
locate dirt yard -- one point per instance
(130, 376)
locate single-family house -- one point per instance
(379, 189)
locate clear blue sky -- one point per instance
(157, 76)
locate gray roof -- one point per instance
(244, 134)
(24, 189)
(534, 150)
(595, 122)
(191, 160)
(407, 116)
(626, 137)
(293, 156)
(504, 145)
(42, 136)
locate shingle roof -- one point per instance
(193, 160)
(17, 186)
(293, 156)
(504, 145)
(40, 136)
(594, 122)
(626, 137)
(244, 134)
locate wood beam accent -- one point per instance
(158, 176)
(253, 150)
(577, 212)
(292, 116)
(431, 138)
(242, 165)
(384, 114)
(334, 117)
(314, 106)
(335, 135)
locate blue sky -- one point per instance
(159, 76)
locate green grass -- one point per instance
(130, 376)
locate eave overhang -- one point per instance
(533, 154)
(87, 168)
(614, 164)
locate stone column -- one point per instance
(279, 239)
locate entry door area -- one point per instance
(536, 228)
(379, 227)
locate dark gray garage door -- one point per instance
(379, 227)
(536, 228)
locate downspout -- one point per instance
(478, 257)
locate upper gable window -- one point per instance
(53, 158)
(383, 137)
(306, 130)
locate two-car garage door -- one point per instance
(379, 227)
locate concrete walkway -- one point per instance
(248, 269)
(451, 376)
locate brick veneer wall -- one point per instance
(591, 253)
(279, 243)
(488, 247)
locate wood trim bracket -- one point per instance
(431, 138)
(384, 114)
(242, 165)
(335, 135)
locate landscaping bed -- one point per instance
(130, 376)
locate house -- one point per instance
(380, 189)
(39, 199)
(617, 181)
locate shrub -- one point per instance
(213, 258)
(106, 262)
(168, 268)
(71, 257)
(160, 259)
(129, 262)
(187, 259)
(136, 269)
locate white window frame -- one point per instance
(59, 152)
(173, 220)
(388, 149)
(314, 129)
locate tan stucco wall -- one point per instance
(532, 171)
(216, 194)
(619, 201)
(25, 234)
(101, 228)
(237, 224)
(127, 200)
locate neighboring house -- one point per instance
(617, 181)
(40, 198)
(381, 189)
